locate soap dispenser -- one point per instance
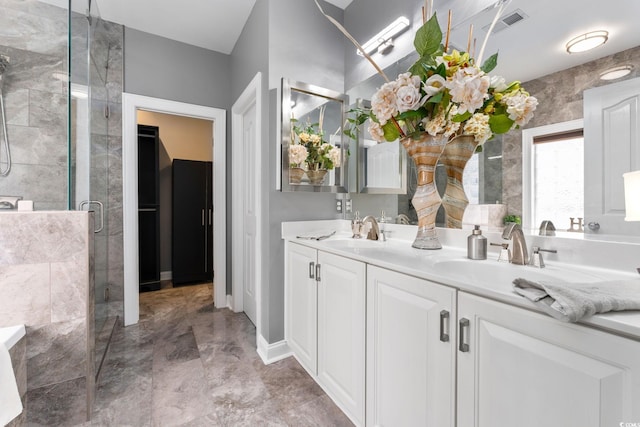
(476, 244)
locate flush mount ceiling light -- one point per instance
(384, 38)
(616, 72)
(587, 41)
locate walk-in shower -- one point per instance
(5, 153)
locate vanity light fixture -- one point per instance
(382, 41)
(616, 72)
(632, 195)
(587, 41)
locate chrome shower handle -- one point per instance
(94, 202)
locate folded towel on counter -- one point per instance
(10, 403)
(571, 302)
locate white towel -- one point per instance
(571, 302)
(10, 403)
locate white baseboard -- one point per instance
(166, 275)
(270, 353)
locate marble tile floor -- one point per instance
(188, 364)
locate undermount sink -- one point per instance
(348, 242)
(493, 271)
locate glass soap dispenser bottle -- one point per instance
(476, 244)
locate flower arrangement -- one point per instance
(446, 93)
(312, 149)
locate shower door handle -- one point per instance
(94, 202)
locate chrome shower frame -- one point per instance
(4, 64)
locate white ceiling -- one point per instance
(211, 24)
(529, 49)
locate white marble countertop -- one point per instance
(477, 277)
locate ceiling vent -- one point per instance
(509, 20)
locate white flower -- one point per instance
(469, 88)
(376, 131)
(304, 137)
(407, 79)
(436, 125)
(315, 139)
(334, 156)
(498, 83)
(451, 127)
(434, 84)
(297, 154)
(520, 107)
(408, 98)
(383, 102)
(478, 126)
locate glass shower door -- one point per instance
(91, 48)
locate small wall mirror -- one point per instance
(314, 150)
(382, 167)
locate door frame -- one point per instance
(252, 95)
(131, 103)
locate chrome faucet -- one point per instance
(374, 230)
(513, 231)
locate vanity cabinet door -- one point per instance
(302, 303)
(410, 352)
(341, 332)
(526, 369)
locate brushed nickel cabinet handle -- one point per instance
(317, 272)
(444, 317)
(464, 324)
(311, 270)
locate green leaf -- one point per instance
(428, 37)
(461, 117)
(410, 115)
(500, 123)
(490, 63)
(391, 132)
(435, 99)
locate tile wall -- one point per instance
(34, 35)
(560, 100)
(46, 266)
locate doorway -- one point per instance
(184, 210)
(131, 104)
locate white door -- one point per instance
(341, 332)
(527, 369)
(411, 350)
(611, 148)
(249, 213)
(302, 305)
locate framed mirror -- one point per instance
(314, 150)
(381, 167)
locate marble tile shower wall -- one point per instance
(46, 263)
(34, 35)
(560, 100)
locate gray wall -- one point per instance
(560, 100)
(35, 99)
(163, 68)
(249, 56)
(280, 44)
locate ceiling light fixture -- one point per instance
(616, 72)
(587, 41)
(384, 38)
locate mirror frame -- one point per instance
(361, 178)
(342, 175)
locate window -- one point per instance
(558, 187)
(553, 174)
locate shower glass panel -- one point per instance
(94, 170)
